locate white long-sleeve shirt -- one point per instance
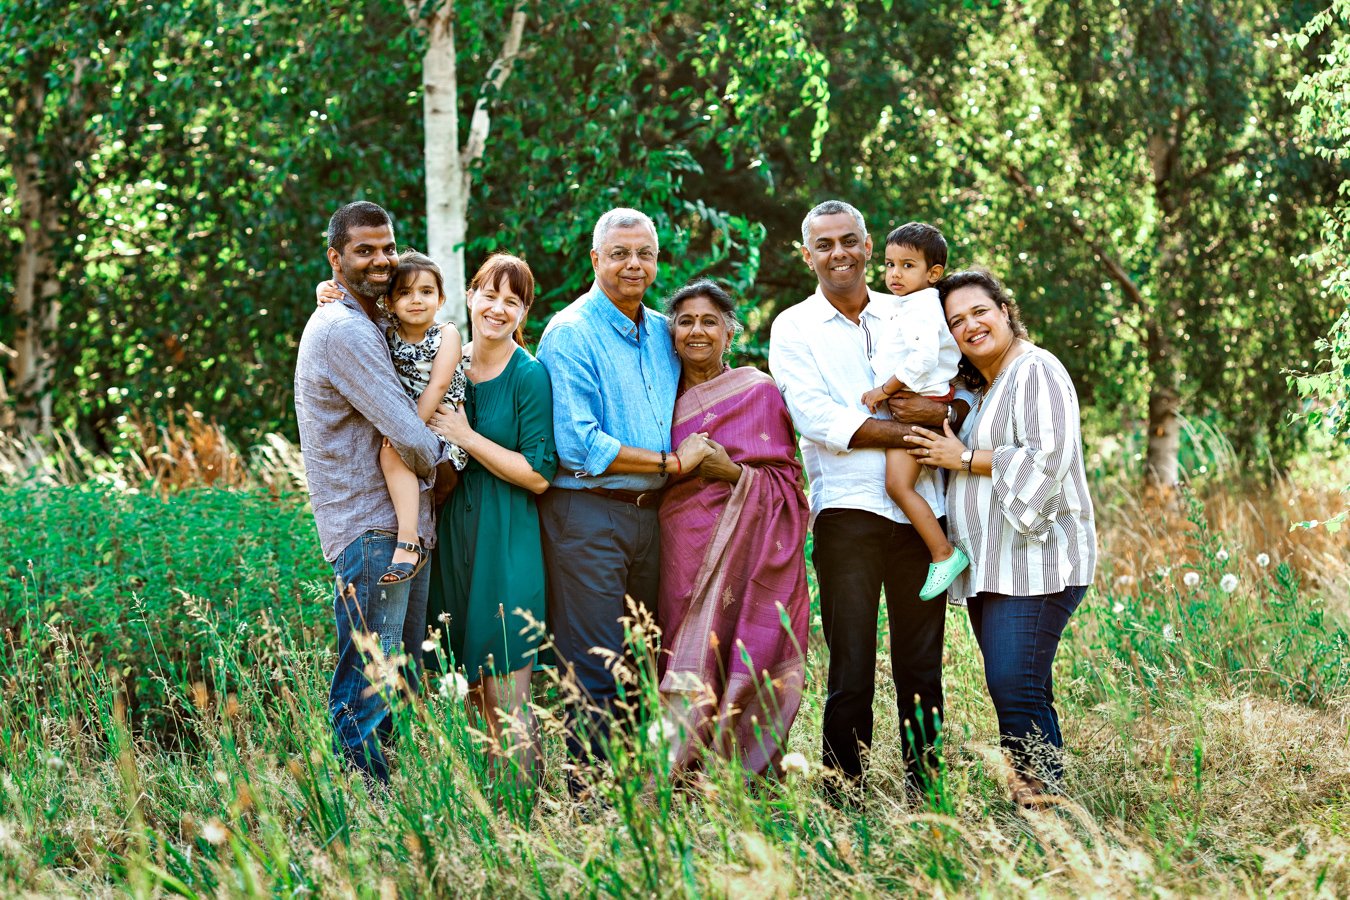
(823, 365)
(917, 347)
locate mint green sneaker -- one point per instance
(942, 574)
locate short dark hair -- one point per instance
(361, 214)
(832, 208)
(922, 237)
(982, 279)
(706, 287)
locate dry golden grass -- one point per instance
(1183, 780)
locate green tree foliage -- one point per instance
(1131, 170)
(1324, 121)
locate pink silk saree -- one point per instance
(733, 604)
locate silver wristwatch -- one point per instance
(966, 459)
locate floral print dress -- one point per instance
(412, 362)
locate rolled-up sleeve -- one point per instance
(363, 373)
(817, 415)
(1028, 475)
(581, 443)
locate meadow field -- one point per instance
(166, 644)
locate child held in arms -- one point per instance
(917, 353)
(429, 360)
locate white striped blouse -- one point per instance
(1027, 528)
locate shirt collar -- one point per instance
(878, 306)
(621, 323)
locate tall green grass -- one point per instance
(163, 731)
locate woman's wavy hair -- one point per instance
(706, 287)
(516, 272)
(993, 288)
(410, 265)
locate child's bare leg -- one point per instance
(902, 471)
(404, 492)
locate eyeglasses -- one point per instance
(621, 254)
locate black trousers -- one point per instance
(857, 553)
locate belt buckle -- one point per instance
(645, 499)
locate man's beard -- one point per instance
(364, 289)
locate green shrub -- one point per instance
(123, 571)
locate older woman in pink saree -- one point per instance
(733, 603)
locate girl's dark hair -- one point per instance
(994, 289)
(516, 273)
(706, 287)
(410, 264)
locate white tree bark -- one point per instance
(35, 301)
(449, 170)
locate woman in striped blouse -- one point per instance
(1018, 506)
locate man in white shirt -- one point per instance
(819, 353)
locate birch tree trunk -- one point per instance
(1162, 464)
(449, 169)
(36, 307)
(447, 199)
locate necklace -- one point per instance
(979, 402)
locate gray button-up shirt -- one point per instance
(347, 396)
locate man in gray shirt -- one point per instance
(347, 399)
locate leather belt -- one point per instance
(640, 499)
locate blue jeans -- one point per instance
(397, 614)
(1019, 637)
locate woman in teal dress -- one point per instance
(487, 584)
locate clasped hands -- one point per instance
(701, 455)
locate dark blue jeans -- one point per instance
(397, 615)
(596, 551)
(1019, 637)
(855, 554)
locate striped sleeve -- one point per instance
(1029, 474)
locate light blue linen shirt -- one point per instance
(614, 385)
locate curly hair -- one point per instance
(993, 288)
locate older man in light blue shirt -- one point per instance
(614, 375)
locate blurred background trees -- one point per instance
(1136, 173)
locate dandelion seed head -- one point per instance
(214, 832)
(1118, 608)
(796, 764)
(1263, 559)
(453, 685)
(1191, 579)
(1222, 555)
(1228, 583)
(428, 646)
